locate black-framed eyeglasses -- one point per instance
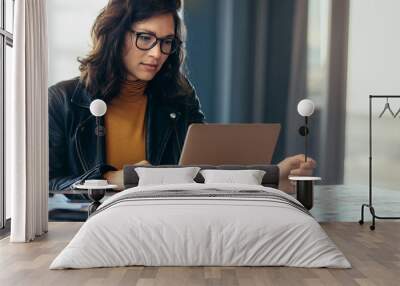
(146, 41)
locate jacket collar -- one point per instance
(81, 96)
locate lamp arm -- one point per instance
(97, 140)
(305, 138)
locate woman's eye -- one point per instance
(145, 38)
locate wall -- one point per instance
(69, 24)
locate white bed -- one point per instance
(185, 230)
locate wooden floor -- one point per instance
(374, 255)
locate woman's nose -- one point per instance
(155, 51)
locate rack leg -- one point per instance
(361, 221)
(372, 210)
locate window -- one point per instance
(317, 76)
(6, 44)
(317, 49)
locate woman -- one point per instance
(135, 66)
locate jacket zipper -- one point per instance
(78, 146)
(168, 135)
(176, 133)
(165, 141)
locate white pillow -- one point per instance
(162, 176)
(248, 177)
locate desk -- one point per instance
(88, 203)
(332, 203)
(80, 192)
(341, 203)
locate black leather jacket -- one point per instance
(72, 138)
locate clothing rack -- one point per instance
(370, 204)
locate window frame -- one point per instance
(6, 39)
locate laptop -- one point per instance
(237, 144)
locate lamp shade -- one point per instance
(98, 107)
(305, 107)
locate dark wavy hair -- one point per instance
(102, 69)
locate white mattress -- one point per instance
(200, 231)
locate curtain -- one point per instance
(334, 119)
(26, 116)
(298, 79)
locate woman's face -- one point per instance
(144, 65)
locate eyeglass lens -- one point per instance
(146, 41)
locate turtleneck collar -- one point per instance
(132, 89)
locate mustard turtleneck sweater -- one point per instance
(125, 125)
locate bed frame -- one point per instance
(131, 178)
(270, 179)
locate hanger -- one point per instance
(387, 107)
(397, 113)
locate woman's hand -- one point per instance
(294, 166)
(143, 162)
(117, 177)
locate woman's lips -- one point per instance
(150, 67)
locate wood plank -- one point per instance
(374, 255)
